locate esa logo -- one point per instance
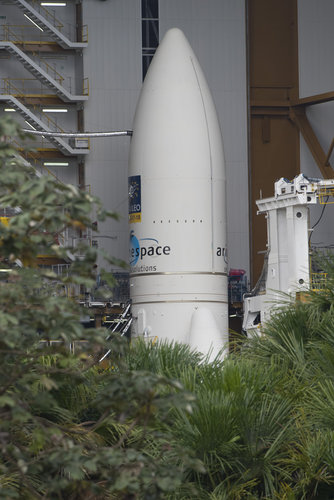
(145, 247)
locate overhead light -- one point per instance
(30, 125)
(9, 110)
(56, 164)
(54, 110)
(33, 22)
(53, 4)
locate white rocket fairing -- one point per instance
(177, 213)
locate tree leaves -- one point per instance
(68, 429)
(160, 421)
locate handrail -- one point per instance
(53, 122)
(324, 194)
(42, 10)
(57, 76)
(85, 86)
(27, 34)
(53, 175)
(24, 92)
(319, 281)
(50, 120)
(30, 154)
(8, 32)
(19, 34)
(84, 33)
(8, 86)
(61, 234)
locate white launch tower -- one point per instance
(287, 267)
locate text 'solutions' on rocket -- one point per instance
(177, 205)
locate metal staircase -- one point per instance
(40, 74)
(43, 72)
(47, 26)
(65, 148)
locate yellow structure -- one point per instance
(4, 220)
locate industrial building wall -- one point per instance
(316, 76)
(216, 30)
(112, 62)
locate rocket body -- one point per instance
(177, 212)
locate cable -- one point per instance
(314, 225)
(322, 213)
(80, 134)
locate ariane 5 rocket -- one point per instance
(177, 205)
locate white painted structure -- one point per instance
(288, 262)
(177, 206)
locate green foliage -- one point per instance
(68, 428)
(160, 421)
(263, 419)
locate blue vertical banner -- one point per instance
(134, 198)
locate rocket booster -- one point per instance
(177, 205)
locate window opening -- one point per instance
(150, 31)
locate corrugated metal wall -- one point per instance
(112, 62)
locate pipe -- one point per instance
(79, 134)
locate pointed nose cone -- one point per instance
(176, 124)
(177, 204)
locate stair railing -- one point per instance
(84, 33)
(25, 90)
(19, 33)
(50, 121)
(85, 86)
(50, 17)
(49, 69)
(11, 89)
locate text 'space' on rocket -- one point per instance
(177, 212)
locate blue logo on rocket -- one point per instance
(134, 249)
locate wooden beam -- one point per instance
(299, 118)
(329, 152)
(268, 111)
(272, 103)
(266, 130)
(314, 99)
